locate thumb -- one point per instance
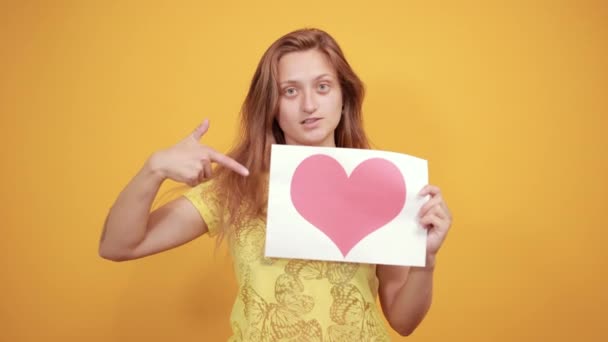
(199, 131)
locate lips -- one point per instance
(310, 120)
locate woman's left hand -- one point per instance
(436, 218)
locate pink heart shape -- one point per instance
(347, 209)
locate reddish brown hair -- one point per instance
(244, 198)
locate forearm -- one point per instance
(126, 223)
(413, 300)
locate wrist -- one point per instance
(154, 168)
(429, 263)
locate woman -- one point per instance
(303, 93)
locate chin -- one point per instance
(317, 137)
(315, 141)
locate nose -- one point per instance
(309, 104)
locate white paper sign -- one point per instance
(341, 204)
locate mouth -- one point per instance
(310, 120)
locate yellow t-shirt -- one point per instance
(292, 299)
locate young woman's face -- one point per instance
(310, 105)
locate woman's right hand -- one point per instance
(189, 161)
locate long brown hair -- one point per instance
(242, 198)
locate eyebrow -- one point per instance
(316, 78)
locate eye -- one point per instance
(291, 91)
(324, 87)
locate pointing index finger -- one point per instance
(228, 162)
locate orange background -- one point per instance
(507, 101)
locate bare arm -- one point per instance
(131, 231)
(405, 295)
